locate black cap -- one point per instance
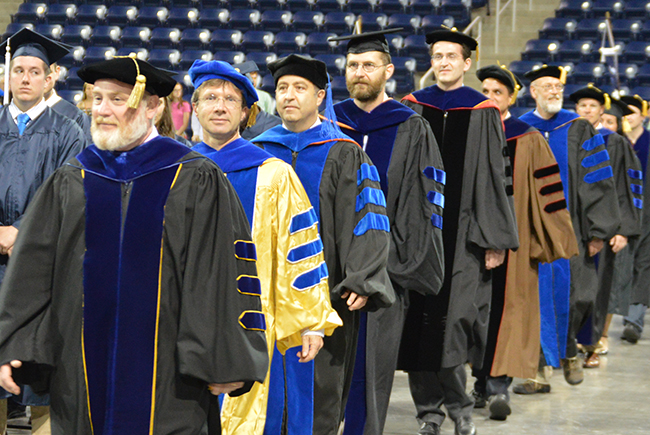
(368, 41)
(444, 33)
(636, 101)
(296, 65)
(26, 42)
(246, 67)
(547, 71)
(502, 74)
(124, 69)
(590, 91)
(618, 109)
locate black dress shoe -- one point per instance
(465, 426)
(480, 400)
(631, 333)
(429, 429)
(499, 407)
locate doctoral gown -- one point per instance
(343, 186)
(404, 150)
(287, 254)
(450, 328)
(26, 161)
(568, 287)
(543, 223)
(641, 286)
(131, 287)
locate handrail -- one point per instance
(500, 10)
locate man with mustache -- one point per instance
(344, 188)
(127, 300)
(445, 331)
(587, 180)
(404, 150)
(34, 141)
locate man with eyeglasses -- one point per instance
(343, 186)
(404, 150)
(443, 332)
(587, 179)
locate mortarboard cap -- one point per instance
(368, 41)
(26, 42)
(636, 101)
(591, 91)
(296, 65)
(444, 33)
(547, 71)
(202, 71)
(505, 76)
(618, 108)
(246, 67)
(133, 71)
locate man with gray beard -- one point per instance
(132, 294)
(587, 180)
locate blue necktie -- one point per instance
(23, 119)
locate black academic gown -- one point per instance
(26, 161)
(124, 297)
(71, 111)
(343, 187)
(641, 284)
(450, 329)
(404, 150)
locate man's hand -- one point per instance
(595, 245)
(311, 344)
(6, 378)
(7, 238)
(229, 387)
(355, 301)
(494, 258)
(617, 243)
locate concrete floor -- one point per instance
(613, 400)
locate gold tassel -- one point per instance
(513, 99)
(645, 108)
(608, 101)
(252, 117)
(140, 84)
(625, 125)
(562, 75)
(357, 26)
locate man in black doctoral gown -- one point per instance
(132, 293)
(404, 150)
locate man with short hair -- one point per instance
(445, 331)
(64, 107)
(274, 201)
(124, 295)
(542, 221)
(591, 104)
(344, 187)
(404, 150)
(587, 179)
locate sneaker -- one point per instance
(499, 407)
(573, 373)
(631, 333)
(531, 387)
(429, 428)
(480, 400)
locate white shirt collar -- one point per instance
(33, 113)
(54, 98)
(154, 134)
(315, 124)
(508, 115)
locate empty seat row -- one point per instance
(548, 50)
(593, 28)
(636, 9)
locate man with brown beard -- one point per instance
(131, 294)
(404, 150)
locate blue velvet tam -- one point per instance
(26, 42)
(202, 71)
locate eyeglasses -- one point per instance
(549, 87)
(451, 56)
(229, 101)
(367, 67)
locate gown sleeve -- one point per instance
(629, 188)
(221, 326)
(416, 258)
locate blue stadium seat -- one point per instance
(410, 22)
(637, 9)
(390, 7)
(230, 56)
(395, 43)
(425, 7)
(359, 6)
(71, 96)
(167, 58)
(153, 16)
(53, 31)
(599, 8)
(308, 21)
(276, 20)
(576, 9)
(590, 28)
(122, 15)
(243, 4)
(226, 40)
(335, 63)
(214, 17)
(317, 43)
(261, 58)
(245, 19)
(290, 42)
(195, 39)
(73, 81)
(373, 21)
(575, 50)
(61, 13)
(257, 40)
(626, 29)
(140, 52)
(268, 83)
(299, 5)
(642, 91)
(586, 72)
(30, 13)
(183, 17)
(265, 5)
(404, 85)
(636, 51)
(432, 22)
(339, 22)
(558, 28)
(91, 14)
(520, 67)
(416, 46)
(339, 88)
(459, 9)
(627, 73)
(15, 27)
(136, 36)
(77, 34)
(189, 3)
(327, 6)
(98, 53)
(165, 37)
(189, 56)
(540, 49)
(106, 35)
(404, 65)
(73, 59)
